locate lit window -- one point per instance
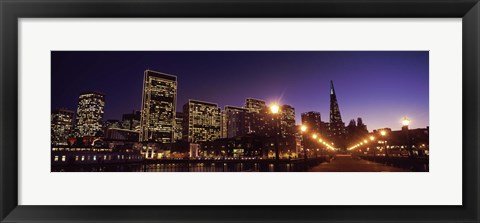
(76, 158)
(83, 158)
(56, 158)
(63, 158)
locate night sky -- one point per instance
(380, 86)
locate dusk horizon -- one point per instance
(381, 87)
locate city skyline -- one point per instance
(118, 76)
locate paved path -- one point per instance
(347, 163)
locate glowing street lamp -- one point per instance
(405, 121)
(303, 129)
(372, 138)
(314, 136)
(274, 108)
(383, 133)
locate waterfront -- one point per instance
(338, 163)
(214, 165)
(172, 167)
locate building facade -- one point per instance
(287, 123)
(131, 121)
(118, 134)
(234, 121)
(336, 127)
(202, 121)
(111, 123)
(256, 120)
(61, 126)
(313, 121)
(249, 146)
(255, 105)
(90, 111)
(178, 133)
(158, 107)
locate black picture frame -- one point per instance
(12, 10)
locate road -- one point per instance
(347, 163)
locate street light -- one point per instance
(384, 133)
(372, 138)
(303, 129)
(314, 136)
(322, 147)
(275, 109)
(405, 121)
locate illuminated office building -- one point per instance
(202, 121)
(313, 121)
(255, 105)
(256, 120)
(158, 107)
(61, 126)
(90, 113)
(131, 121)
(178, 133)
(111, 123)
(234, 121)
(223, 124)
(287, 123)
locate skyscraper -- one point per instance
(90, 112)
(158, 107)
(202, 121)
(256, 117)
(223, 124)
(177, 135)
(234, 121)
(313, 121)
(255, 105)
(287, 123)
(61, 126)
(336, 127)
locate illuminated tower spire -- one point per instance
(336, 126)
(335, 115)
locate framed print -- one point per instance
(174, 111)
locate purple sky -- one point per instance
(380, 86)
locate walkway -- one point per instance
(347, 163)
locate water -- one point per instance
(184, 167)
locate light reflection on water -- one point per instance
(176, 167)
